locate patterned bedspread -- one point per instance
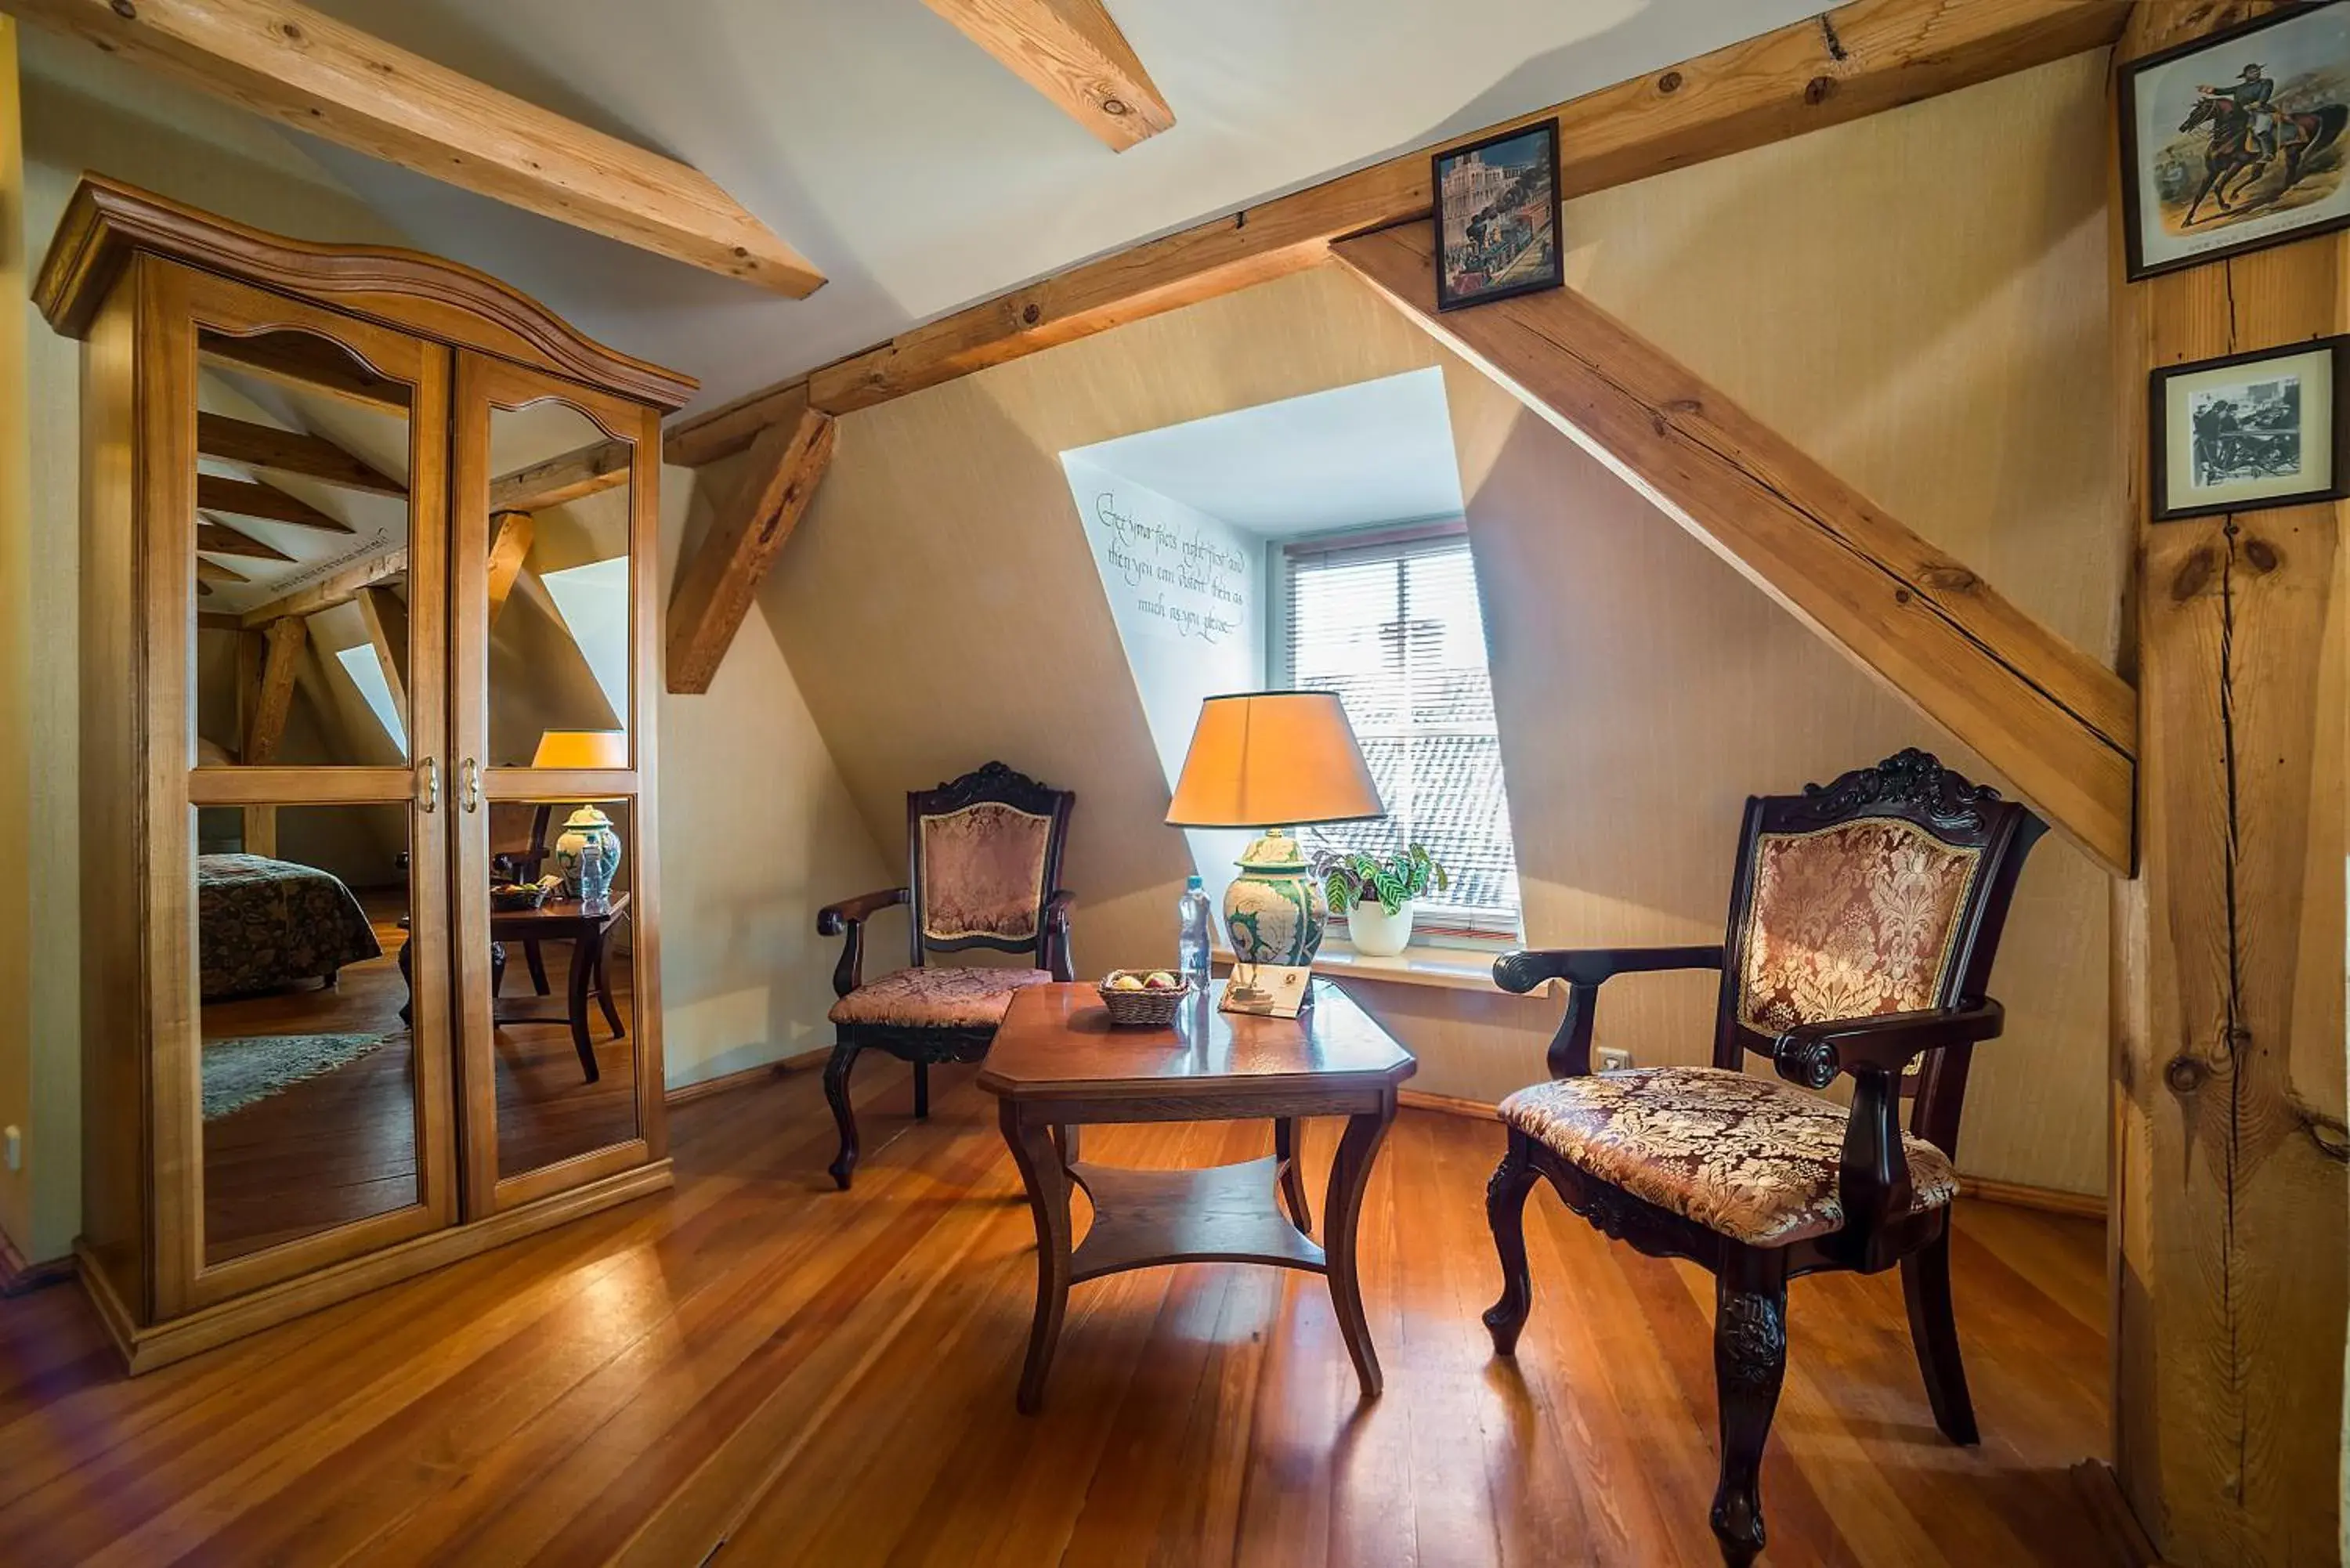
(264, 923)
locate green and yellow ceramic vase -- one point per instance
(1274, 910)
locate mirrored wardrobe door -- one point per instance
(554, 640)
(305, 1086)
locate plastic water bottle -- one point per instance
(1191, 947)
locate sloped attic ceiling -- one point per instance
(915, 171)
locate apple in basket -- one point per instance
(1126, 983)
(1161, 980)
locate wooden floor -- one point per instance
(812, 1377)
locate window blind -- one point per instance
(1392, 623)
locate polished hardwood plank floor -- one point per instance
(755, 1369)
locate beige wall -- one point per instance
(1917, 299)
(18, 753)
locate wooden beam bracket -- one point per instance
(716, 588)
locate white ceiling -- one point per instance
(919, 174)
(1376, 451)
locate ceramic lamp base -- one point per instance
(1275, 912)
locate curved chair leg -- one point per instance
(1934, 1331)
(836, 1093)
(1750, 1359)
(1506, 1211)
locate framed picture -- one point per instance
(1497, 218)
(2251, 430)
(2235, 140)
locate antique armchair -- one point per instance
(986, 852)
(1863, 922)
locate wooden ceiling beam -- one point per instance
(715, 590)
(220, 539)
(1853, 61)
(601, 465)
(2061, 726)
(510, 539)
(250, 498)
(1073, 53)
(308, 364)
(386, 619)
(213, 572)
(339, 588)
(289, 451)
(274, 695)
(309, 71)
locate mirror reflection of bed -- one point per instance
(308, 1096)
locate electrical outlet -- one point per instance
(1614, 1058)
(12, 1147)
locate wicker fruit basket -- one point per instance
(1143, 1009)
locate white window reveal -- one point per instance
(1389, 619)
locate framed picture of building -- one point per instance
(1496, 205)
(2234, 140)
(2250, 430)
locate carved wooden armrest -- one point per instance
(1055, 953)
(1585, 969)
(1812, 1054)
(1873, 1175)
(847, 918)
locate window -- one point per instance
(1390, 621)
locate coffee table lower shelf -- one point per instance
(1214, 1214)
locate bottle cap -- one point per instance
(1193, 880)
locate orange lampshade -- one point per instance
(1274, 759)
(582, 748)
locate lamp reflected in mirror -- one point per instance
(588, 853)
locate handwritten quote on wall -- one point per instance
(1183, 583)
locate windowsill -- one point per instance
(1447, 969)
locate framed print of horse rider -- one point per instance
(2251, 430)
(2235, 140)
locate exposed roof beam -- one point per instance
(222, 540)
(309, 364)
(715, 590)
(249, 498)
(1856, 60)
(509, 547)
(318, 75)
(386, 619)
(327, 592)
(289, 451)
(213, 572)
(274, 693)
(1072, 52)
(599, 465)
(2061, 726)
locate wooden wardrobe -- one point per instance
(367, 617)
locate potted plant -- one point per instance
(1376, 892)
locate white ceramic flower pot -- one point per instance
(1375, 932)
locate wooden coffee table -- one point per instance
(1057, 1065)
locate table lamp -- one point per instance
(1274, 760)
(601, 749)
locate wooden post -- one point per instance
(273, 696)
(2229, 1201)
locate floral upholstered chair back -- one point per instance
(1879, 893)
(986, 856)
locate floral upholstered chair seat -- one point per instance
(936, 998)
(1750, 1159)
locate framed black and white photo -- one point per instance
(1497, 218)
(2234, 140)
(2248, 431)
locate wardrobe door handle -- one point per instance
(471, 774)
(429, 770)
